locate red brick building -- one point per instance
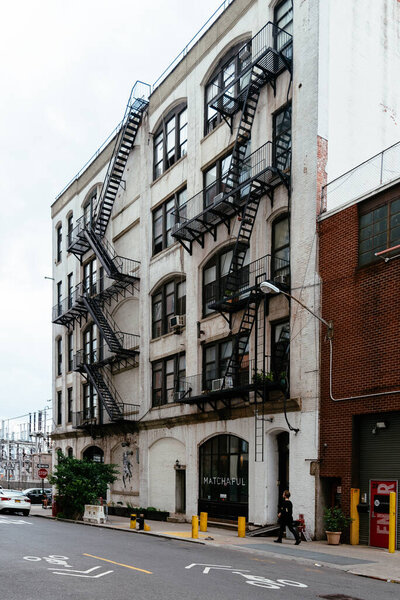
(360, 367)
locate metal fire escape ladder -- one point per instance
(94, 308)
(123, 146)
(106, 391)
(111, 262)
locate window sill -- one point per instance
(168, 405)
(166, 335)
(181, 159)
(164, 252)
(207, 135)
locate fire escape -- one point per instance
(120, 276)
(249, 178)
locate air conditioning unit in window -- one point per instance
(219, 197)
(178, 395)
(245, 52)
(218, 384)
(176, 322)
(284, 279)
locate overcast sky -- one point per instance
(66, 71)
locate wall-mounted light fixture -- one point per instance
(379, 425)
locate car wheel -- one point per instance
(25, 513)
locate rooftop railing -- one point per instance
(367, 177)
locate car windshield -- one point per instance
(12, 492)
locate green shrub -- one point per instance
(335, 519)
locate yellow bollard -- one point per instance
(241, 526)
(392, 521)
(355, 524)
(203, 521)
(132, 524)
(146, 527)
(195, 527)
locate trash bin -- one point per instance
(140, 521)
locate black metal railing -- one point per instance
(251, 374)
(377, 171)
(267, 268)
(95, 415)
(270, 50)
(208, 204)
(130, 342)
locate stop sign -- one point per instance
(43, 473)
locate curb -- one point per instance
(112, 528)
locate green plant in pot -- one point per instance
(335, 523)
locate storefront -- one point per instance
(223, 485)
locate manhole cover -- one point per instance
(339, 597)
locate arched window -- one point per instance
(59, 243)
(215, 274)
(168, 300)
(170, 139)
(280, 250)
(70, 452)
(226, 77)
(94, 453)
(90, 205)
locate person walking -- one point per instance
(285, 519)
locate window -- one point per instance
(170, 140)
(216, 358)
(89, 208)
(283, 18)
(90, 277)
(280, 251)
(168, 376)
(280, 344)
(379, 228)
(59, 297)
(59, 356)
(225, 77)
(283, 138)
(59, 243)
(169, 300)
(59, 408)
(70, 452)
(70, 226)
(212, 178)
(90, 409)
(70, 289)
(69, 405)
(90, 344)
(215, 274)
(70, 343)
(164, 217)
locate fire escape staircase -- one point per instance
(125, 140)
(264, 68)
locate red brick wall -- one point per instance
(364, 305)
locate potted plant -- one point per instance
(335, 522)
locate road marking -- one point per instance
(76, 573)
(256, 580)
(14, 521)
(119, 564)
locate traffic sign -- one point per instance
(43, 473)
(42, 466)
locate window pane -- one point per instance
(210, 274)
(225, 263)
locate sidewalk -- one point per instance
(358, 560)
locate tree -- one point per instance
(80, 482)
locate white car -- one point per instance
(14, 501)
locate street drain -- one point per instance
(339, 597)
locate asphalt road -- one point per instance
(42, 559)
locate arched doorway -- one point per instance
(224, 472)
(94, 453)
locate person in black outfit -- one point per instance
(285, 518)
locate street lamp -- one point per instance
(267, 287)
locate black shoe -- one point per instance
(297, 542)
(278, 541)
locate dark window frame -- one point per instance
(167, 157)
(160, 296)
(90, 402)
(275, 367)
(382, 217)
(59, 343)
(218, 284)
(59, 407)
(278, 268)
(218, 81)
(160, 394)
(70, 227)
(282, 137)
(167, 214)
(70, 350)
(69, 404)
(59, 243)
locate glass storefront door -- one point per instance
(223, 486)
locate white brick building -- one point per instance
(171, 362)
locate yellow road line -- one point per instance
(119, 564)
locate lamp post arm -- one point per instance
(329, 324)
